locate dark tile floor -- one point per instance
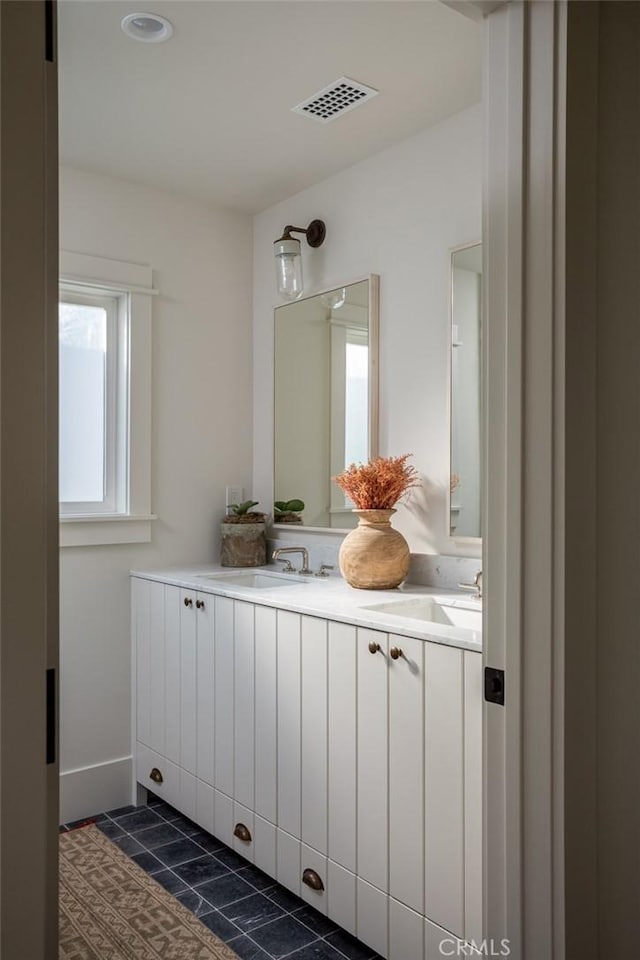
(257, 917)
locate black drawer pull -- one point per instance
(156, 776)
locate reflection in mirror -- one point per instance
(466, 391)
(325, 397)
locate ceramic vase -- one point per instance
(374, 556)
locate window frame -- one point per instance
(127, 518)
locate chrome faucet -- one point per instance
(476, 585)
(288, 568)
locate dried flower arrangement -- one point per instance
(378, 484)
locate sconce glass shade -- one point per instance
(288, 267)
(334, 299)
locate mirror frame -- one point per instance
(458, 541)
(374, 404)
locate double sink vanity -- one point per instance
(332, 736)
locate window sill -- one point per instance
(94, 530)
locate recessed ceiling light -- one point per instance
(146, 27)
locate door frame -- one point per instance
(524, 474)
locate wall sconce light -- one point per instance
(289, 258)
(334, 299)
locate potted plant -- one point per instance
(374, 556)
(244, 540)
(288, 511)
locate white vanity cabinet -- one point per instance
(173, 631)
(344, 761)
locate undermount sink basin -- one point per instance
(433, 611)
(256, 581)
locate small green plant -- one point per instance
(288, 511)
(242, 512)
(239, 509)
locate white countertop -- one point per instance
(333, 599)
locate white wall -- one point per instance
(396, 214)
(201, 440)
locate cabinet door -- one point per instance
(223, 706)
(314, 733)
(473, 795)
(205, 620)
(188, 674)
(444, 778)
(289, 724)
(265, 713)
(406, 772)
(342, 745)
(373, 812)
(244, 704)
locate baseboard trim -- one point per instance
(95, 788)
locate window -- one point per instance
(93, 400)
(104, 424)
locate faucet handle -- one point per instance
(476, 585)
(287, 566)
(322, 572)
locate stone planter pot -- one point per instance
(243, 544)
(374, 556)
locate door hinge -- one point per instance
(51, 715)
(494, 685)
(49, 31)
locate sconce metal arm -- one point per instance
(315, 232)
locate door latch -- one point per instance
(494, 685)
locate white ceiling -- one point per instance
(208, 113)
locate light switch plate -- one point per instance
(234, 495)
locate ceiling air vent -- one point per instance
(335, 100)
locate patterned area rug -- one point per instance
(110, 909)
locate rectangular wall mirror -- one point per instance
(466, 392)
(325, 397)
